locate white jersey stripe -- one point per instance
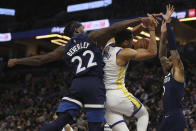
(93, 106)
(73, 100)
(124, 90)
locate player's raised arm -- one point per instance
(175, 57)
(163, 47)
(39, 59)
(100, 37)
(177, 63)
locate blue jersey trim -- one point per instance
(135, 112)
(111, 126)
(118, 51)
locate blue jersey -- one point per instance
(173, 94)
(84, 57)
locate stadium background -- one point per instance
(29, 95)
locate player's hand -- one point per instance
(163, 27)
(151, 21)
(167, 17)
(12, 62)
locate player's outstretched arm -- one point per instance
(177, 63)
(39, 59)
(163, 47)
(100, 37)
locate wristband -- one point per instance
(171, 38)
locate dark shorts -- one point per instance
(174, 121)
(87, 92)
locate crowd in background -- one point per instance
(33, 100)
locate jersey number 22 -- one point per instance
(79, 59)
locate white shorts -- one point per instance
(119, 103)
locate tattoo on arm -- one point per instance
(176, 59)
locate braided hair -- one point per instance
(71, 27)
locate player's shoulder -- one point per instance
(109, 47)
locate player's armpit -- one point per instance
(177, 66)
(178, 74)
(176, 60)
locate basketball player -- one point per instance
(84, 57)
(173, 85)
(119, 101)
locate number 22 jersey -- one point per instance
(84, 57)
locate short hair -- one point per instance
(122, 36)
(70, 28)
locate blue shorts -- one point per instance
(174, 121)
(87, 92)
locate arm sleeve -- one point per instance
(171, 38)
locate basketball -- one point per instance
(141, 43)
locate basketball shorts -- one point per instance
(174, 121)
(120, 103)
(88, 93)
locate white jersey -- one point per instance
(114, 75)
(119, 101)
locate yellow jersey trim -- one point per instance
(125, 92)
